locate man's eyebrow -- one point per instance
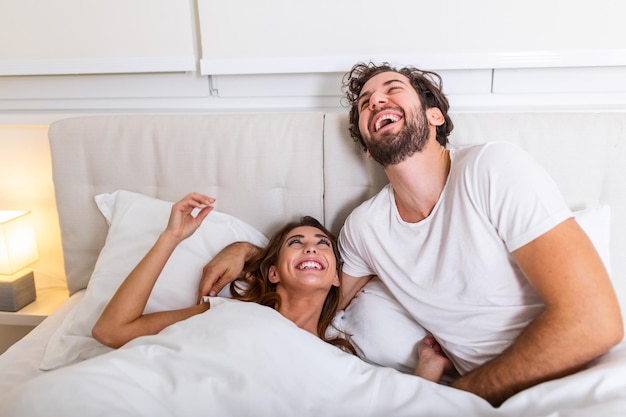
(386, 83)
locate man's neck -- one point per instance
(419, 180)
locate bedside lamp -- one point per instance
(18, 249)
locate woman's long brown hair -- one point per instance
(254, 285)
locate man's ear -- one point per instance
(273, 275)
(435, 116)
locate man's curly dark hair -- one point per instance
(427, 84)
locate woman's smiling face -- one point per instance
(306, 260)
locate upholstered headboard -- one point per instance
(265, 169)
(270, 168)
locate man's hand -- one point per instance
(225, 268)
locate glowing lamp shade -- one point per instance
(18, 247)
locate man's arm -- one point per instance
(228, 264)
(581, 320)
(349, 287)
(225, 268)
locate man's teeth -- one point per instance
(379, 123)
(309, 264)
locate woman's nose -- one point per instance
(310, 249)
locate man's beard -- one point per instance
(392, 149)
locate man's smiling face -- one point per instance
(392, 120)
(383, 101)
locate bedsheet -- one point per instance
(243, 359)
(21, 361)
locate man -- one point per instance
(475, 243)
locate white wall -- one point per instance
(26, 184)
(276, 55)
(66, 58)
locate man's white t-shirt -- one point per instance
(453, 271)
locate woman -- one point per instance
(298, 274)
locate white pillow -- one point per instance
(385, 334)
(381, 330)
(135, 223)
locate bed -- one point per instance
(115, 178)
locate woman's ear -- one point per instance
(336, 281)
(273, 275)
(435, 116)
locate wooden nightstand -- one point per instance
(48, 300)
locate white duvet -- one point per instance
(242, 359)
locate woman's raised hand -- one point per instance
(183, 223)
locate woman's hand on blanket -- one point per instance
(183, 223)
(432, 362)
(225, 268)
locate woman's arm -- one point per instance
(123, 320)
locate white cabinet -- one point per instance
(95, 36)
(15, 325)
(68, 57)
(326, 36)
(47, 301)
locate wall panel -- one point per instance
(286, 36)
(95, 36)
